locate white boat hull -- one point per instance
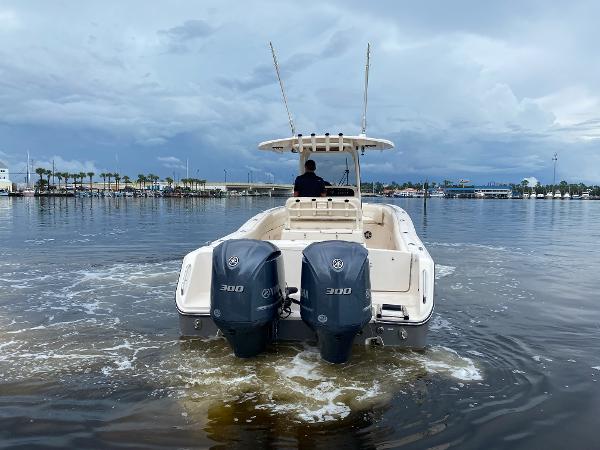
(401, 272)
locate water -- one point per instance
(90, 354)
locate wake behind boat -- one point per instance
(327, 268)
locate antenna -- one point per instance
(363, 130)
(283, 91)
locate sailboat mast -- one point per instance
(28, 180)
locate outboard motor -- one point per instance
(246, 291)
(335, 300)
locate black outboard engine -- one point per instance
(335, 300)
(246, 291)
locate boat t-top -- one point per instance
(329, 269)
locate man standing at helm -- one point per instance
(309, 184)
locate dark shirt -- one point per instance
(309, 185)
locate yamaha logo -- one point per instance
(233, 261)
(337, 264)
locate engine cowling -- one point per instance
(246, 291)
(335, 298)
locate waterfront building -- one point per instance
(499, 191)
(5, 183)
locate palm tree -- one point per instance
(117, 179)
(90, 174)
(563, 186)
(103, 175)
(81, 176)
(141, 179)
(169, 181)
(48, 174)
(109, 176)
(66, 176)
(58, 175)
(41, 172)
(524, 184)
(127, 181)
(152, 178)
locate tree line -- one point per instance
(81, 178)
(379, 187)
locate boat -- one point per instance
(557, 195)
(331, 270)
(576, 197)
(525, 195)
(549, 195)
(585, 195)
(335, 249)
(28, 191)
(540, 195)
(567, 196)
(3, 192)
(532, 196)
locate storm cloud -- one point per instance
(465, 89)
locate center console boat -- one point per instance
(331, 269)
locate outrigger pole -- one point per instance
(283, 91)
(363, 130)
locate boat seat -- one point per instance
(306, 213)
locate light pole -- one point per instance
(554, 158)
(225, 170)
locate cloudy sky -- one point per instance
(466, 89)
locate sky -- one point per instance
(484, 91)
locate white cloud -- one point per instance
(8, 20)
(66, 165)
(171, 162)
(531, 181)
